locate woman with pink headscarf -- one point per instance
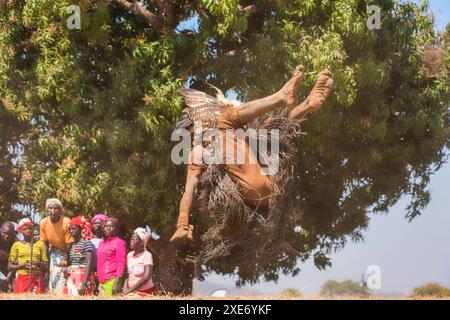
(140, 266)
(98, 223)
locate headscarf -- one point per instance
(24, 222)
(115, 220)
(51, 202)
(86, 228)
(100, 216)
(143, 235)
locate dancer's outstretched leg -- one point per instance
(316, 98)
(286, 96)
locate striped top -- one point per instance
(77, 257)
(21, 252)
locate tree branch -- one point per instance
(287, 247)
(139, 9)
(167, 11)
(252, 9)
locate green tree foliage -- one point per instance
(347, 287)
(91, 110)
(10, 130)
(431, 289)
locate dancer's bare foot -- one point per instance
(289, 90)
(321, 90)
(182, 235)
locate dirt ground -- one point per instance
(241, 297)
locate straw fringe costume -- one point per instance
(246, 206)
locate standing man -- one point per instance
(54, 231)
(7, 239)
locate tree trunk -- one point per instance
(171, 273)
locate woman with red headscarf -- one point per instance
(140, 265)
(25, 258)
(80, 280)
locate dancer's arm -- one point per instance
(195, 168)
(188, 198)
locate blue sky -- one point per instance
(408, 254)
(441, 11)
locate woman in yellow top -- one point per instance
(21, 260)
